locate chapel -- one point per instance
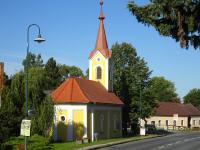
(88, 108)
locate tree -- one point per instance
(10, 122)
(87, 74)
(131, 76)
(70, 71)
(52, 74)
(64, 72)
(174, 18)
(193, 97)
(34, 60)
(37, 87)
(75, 71)
(17, 91)
(42, 122)
(163, 90)
(11, 111)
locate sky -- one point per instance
(70, 28)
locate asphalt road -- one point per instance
(178, 141)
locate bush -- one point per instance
(34, 142)
(6, 147)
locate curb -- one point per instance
(115, 143)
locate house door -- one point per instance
(78, 124)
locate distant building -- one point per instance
(88, 108)
(171, 115)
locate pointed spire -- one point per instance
(101, 42)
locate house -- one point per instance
(170, 115)
(88, 108)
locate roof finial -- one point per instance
(101, 17)
(101, 3)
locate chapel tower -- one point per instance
(100, 62)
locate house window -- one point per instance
(167, 122)
(98, 59)
(99, 73)
(153, 122)
(101, 123)
(194, 122)
(62, 118)
(181, 122)
(174, 123)
(159, 123)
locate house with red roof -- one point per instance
(88, 108)
(170, 115)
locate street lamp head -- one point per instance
(39, 39)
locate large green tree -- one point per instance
(70, 71)
(17, 90)
(52, 74)
(131, 81)
(37, 81)
(163, 90)
(34, 60)
(178, 19)
(193, 97)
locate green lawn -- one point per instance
(41, 143)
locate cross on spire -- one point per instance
(101, 17)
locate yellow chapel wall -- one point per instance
(74, 115)
(103, 63)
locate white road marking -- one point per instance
(161, 147)
(177, 142)
(170, 144)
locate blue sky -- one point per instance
(70, 29)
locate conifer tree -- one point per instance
(178, 19)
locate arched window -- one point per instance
(99, 73)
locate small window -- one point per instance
(174, 123)
(159, 123)
(62, 118)
(181, 122)
(194, 122)
(101, 123)
(153, 122)
(167, 122)
(99, 73)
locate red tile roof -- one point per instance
(78, 90)
(170, 108)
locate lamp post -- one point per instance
(39, 39)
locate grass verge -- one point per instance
(37, 142)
